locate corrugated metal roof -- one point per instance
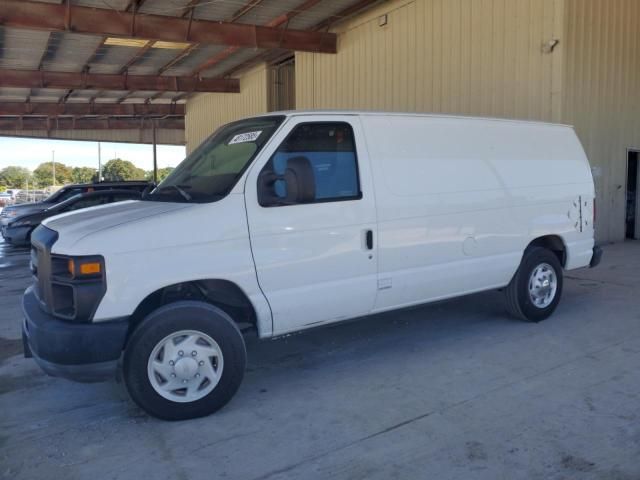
(267, 10)
(46, 94)
(172, 8)
(238, 58)
(14, 94)
(23, 49)
(197, 57)
(69, 52)
(153, 60)
(111, 58)
(318, 13)
(113, 4)
(217, 10)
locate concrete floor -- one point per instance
(456, 390)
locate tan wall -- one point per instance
(478, 57)
(163, 136)
(602, 96)
(206, 112)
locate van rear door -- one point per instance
(312, 222)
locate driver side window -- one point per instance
(316, 163)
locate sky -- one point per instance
(29, 152)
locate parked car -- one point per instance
(290, 221)
(5, 199)
(14, 192)
(18, 231)
(63, 194)
(31, 196)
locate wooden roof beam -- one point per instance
(76, 109)
(94, 81)
(62, 123)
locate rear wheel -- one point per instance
(184, 360)
(534, 291)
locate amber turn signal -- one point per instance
(90, 268)
(80, 268)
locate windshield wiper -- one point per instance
(186, 196)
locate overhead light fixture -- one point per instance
(171, 45)
(125, 42)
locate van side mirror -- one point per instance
(268, 190)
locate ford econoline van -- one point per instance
(292, 220)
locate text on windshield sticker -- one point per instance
(245, 137)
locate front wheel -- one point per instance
(185, 360)
(534, 291)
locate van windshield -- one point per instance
(212, 170)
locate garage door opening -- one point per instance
(282, 86)
(633, 198)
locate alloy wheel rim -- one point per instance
(543, 285)
(185, 366)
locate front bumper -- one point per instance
(84, 352)
(16, 235)
(596, 258)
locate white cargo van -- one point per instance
(293, 220)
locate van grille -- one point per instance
(42, 239)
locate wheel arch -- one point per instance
(554, 243)
(224, 294)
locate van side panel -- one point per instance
(460, 199)
(198, 242)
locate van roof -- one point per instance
(294, 113)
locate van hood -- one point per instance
(74, 226)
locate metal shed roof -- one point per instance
(118, 53)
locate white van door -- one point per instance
(312, 222)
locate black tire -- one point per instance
(175, 317)
(519, 302)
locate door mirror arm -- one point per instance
(266, 189)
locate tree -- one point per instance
(118, 170)
(83, 174)
(162, 174)
(14, 177)
(43, 175)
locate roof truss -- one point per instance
(92, 81)
(61, 123)
(78, 109)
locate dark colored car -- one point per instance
(12, 212)
(18, 230)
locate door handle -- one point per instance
(369, 239)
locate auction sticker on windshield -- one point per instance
(245, 137)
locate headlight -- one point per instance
(77, 286)
(21, 223)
